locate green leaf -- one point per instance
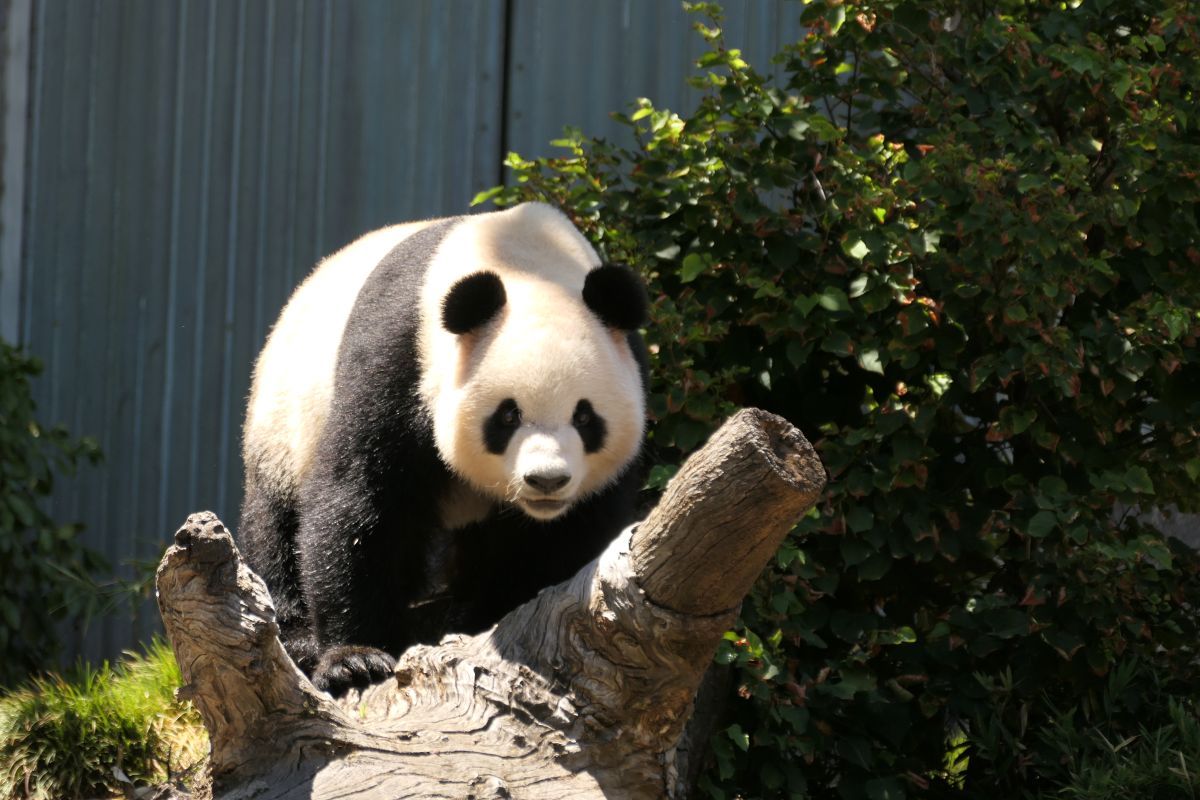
(856, 249)
(1120, 85)
(836, 18)
(1005, 623)
(659, 475)
(486, 194)
(1065, 644)
(738, 736)
(875, 567)
(23, 511)
(797, 353)
(860, 519)
(853, 681)
(797, 128)
(929, 242)
(869, 360)
(693, 264)
(1015, 420)
(939, 382)
(772, 776)
(1042, 523)
(834, 299)
(797, 718)
(1030, 181)
(806, 303)
(787, 554)
(1138, 480)
(854, 551)
(783, 254)
(838, 343)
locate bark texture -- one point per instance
(582, 692)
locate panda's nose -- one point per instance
(547, 482)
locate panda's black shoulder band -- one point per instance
(472, 301)
(616, 295)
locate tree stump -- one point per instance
(583, 692)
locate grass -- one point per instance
(1158, 764)
(98, 732)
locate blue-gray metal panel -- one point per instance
(188, 163)
(16, 25)
(574, 62)
(87, 299)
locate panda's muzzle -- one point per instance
(544, 483)
(547, 482)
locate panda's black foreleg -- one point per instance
(364, 522)
(267, 535)
(338, 541)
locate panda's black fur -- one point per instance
(355, 554)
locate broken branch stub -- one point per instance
(725, 513)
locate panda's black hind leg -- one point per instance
(266, 534)
(351, 666)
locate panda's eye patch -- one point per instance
(590, 425)
(501, 425)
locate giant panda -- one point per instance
(447, 417)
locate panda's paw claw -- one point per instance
(350, 666)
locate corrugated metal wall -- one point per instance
(188, 161)
(573, 62)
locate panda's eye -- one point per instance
(590, 426)
(511, 417)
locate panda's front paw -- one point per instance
(351, 666)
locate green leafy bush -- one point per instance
(45, 569)
(959, 246)
(98, 732)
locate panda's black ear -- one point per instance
(616, 295)
(472, 301)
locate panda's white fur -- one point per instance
(544, 341)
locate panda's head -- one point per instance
(539, 401)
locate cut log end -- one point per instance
(725, 513)
(789, 453)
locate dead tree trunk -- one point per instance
(582, 692)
